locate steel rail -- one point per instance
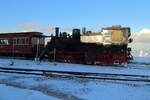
(87, 75)
(75, 73)
(74, 76)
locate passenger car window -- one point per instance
(4, 41)
(21, 41)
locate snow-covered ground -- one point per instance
(142, 59)
(24, 87)
(139, 69)
(12, 93)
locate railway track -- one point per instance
(84, 75)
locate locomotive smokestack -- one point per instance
(76, 34)
(56, 31)
(83, 30)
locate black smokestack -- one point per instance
(57, 31)
(83, 30)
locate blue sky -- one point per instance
(75, 13)
(41, 15)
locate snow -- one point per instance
(72, 89)
(142, 59)
(27, 87)
(133, 69)
(11, 93)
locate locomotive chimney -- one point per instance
(83, 30)
(56, 31)
(76, 34)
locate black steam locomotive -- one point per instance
(110, 46)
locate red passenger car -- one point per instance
(26, 44)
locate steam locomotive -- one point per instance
(109, 46)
